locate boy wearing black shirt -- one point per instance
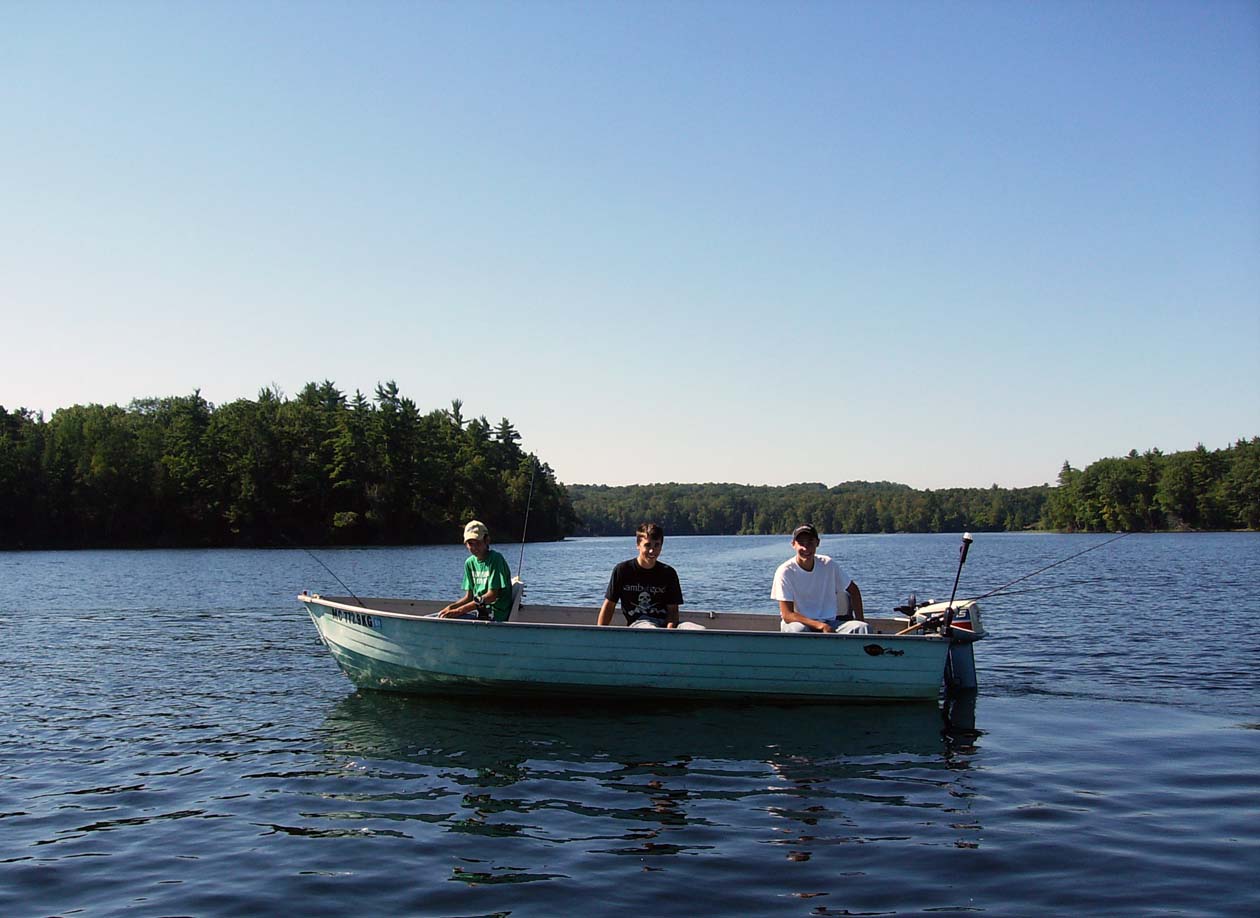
(647, 589)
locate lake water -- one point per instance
(176, 741)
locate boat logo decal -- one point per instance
(876, 650)
(356, 618)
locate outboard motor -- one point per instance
(964, 631)
(967, 618)
(959, 623)
(907, 609)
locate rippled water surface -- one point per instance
(176, 741)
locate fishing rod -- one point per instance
(1003, 590)
(962, 559)
(520, 565)
(324, 566)
(1068, 584)
(1055, 564)
(946, 617)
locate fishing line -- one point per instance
(1043, 589)
(520, 565)
(1086, 551)
(323, 565)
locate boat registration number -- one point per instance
(356, 618)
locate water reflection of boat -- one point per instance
(483, 734)
(393, 645)
(642, 780)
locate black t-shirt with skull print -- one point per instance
(644, 592)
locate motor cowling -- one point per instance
(966, 616)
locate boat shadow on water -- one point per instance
(477, 733)
(642, 780)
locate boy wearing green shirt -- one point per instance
(487, 580)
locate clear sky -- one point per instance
(936, 243)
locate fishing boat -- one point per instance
(545, 650)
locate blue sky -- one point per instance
(937, 243)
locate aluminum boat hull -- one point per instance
(390, 645)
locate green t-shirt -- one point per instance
(491, 574)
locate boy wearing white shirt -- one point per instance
(813, 593)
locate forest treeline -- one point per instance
(319, 468)
(326, 468)
(1195, 489)
(855, 506)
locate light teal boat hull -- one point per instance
(389, 645)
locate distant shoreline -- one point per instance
(324, 469)
(577, 538)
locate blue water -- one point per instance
(176, 741)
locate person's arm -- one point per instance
(500, 583)
(787, 611)
(459, 606)
(465, 602)
(671, 608)
(606, 612)
(855, 601)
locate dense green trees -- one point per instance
(1189, 490)
(315, 469)
(1195, 489)
(856, 506)
(325, 468)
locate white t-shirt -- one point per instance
(821, 593)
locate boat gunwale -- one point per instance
(305, 597)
